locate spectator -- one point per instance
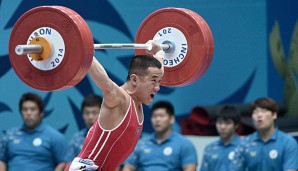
(164, 149)
(34, 145)
(268, 148)
(218, 154)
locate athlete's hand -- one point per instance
(154, 47)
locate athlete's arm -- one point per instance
(110, 90)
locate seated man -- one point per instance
(268, 148)
(164, 149)
(34, 145)
(220, 153)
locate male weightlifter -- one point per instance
(113, 137)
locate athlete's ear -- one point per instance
(133, 79)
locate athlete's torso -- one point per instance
(109, 148)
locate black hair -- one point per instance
(140, 63)
(34, 98)
(164, 105)
(229, 112)
(91, 100)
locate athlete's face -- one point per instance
(149, 84)
(225, 128)
(263, 119)
(90, 115)
(31, 114)
(161, 120)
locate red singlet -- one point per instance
(109, 148)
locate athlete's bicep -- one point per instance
(114, 97)
(100, 76)
(111, 91)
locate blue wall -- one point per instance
(241, 70)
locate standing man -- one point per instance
(164, 149)
(219, 154)
(90, 110)
(33, 146)
(114, 135)
(268, 149)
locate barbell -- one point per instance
(51, 47)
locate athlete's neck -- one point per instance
(126, 87)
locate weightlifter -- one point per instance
(69, 50)
(113, 137)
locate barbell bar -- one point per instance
(37, 48)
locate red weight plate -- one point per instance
(88, 50)
(199, 45)
(209, 40)
(80, 74)
(78, 42)
(206, 61)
